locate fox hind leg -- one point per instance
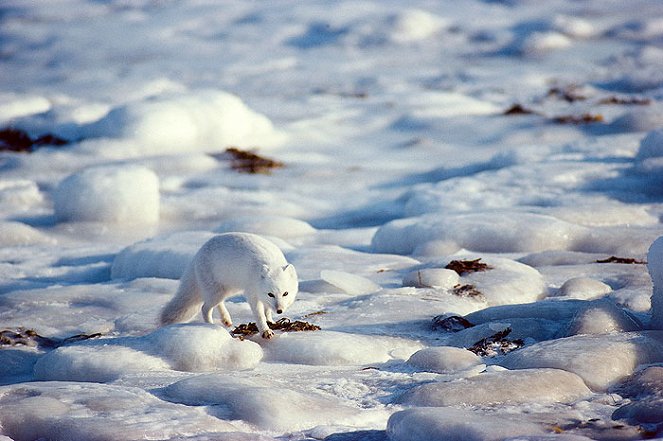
(225, 315)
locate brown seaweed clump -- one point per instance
(468, 266)
(30, 338)
(284, 325)
(245, 161)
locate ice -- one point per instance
(112, 194)
(73, 411)
(583, 288)
(188, 347)
(519, 386)
(195, 121)
(600, 360)
(266, 407)
(539, 43)
(423, 424)
(655, 267)
(279, 226)
(444, 359)
(349, 283)
(329, 348)
(432, 278)
(602, 317)
(17, 234)
(16, 105)
(164, 256)
(415, 24)
(20, 193)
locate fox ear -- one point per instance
(264, 271)
(289, 268)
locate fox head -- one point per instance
(279, 287)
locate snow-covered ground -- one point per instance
(399, 156)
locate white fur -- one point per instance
(228, 265)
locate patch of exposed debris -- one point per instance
(519, 109)
(30, 338)
(496, 344)
(246, 161)
(452, 323)
(625, 101)
(624, 260)
(19, 141)
(467, 291)
(585, 118)
(284, 324)
(468, 266)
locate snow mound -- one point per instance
(574, 27)
(541, 43)
(266, 407)
(549, 310)
(279, 226)
(187, 347)
(206, 120)
(602, 317)
(349, 283)
(443, 359)
(449, 424)
(331, 348)
(20, 193)
(600, 360)
(583, 288)
(414, 25)
(113, 194)
(162, 256)
(521, 386)
(16, 105)
(432, 278)
(494, 232)
(19, 234)
(74, 412)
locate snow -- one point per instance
(398, 158)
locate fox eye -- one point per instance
(270, 294)
(285, 293)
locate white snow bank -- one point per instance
(337, 348)
(443, 359)
(266, 407)
(20, 193)
(187, 347)
(162, 256)
(279, 226)
(495, 232)
(601, 360)
(520, 386)
(114, 194)
(449, 424)
(19, 234)
(206, 120)
(95, 412)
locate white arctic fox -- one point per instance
(227, 265)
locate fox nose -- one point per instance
(279, 311)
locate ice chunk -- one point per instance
(536, 329)
(414, 25)
(449, 424)
(549, 310)
(349, 283)
(498, 232)
(266, 407)
(651, 146)
(600, 317)
(601, 360)
(443, 359)
(114, 194)
(89, 411)
(575, 27)
(203, 120)
(187, 347)
(18, 234)
(584, 288)
(520, 386)
(20, 193)
(162, 256)
(432, 278)
(540, 43)
(337, 348)
(16, 105)
(279, 226)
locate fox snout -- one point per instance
(279, 311)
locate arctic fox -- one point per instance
(227, 265)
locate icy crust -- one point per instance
(266, 407)
(337, 348)
(655, 267)
(74, 412)
(600, 360)
(280, 226)
(162, 256)
(518, 386)
(205, 120)
(450, 424)
(127, 194)
(187, 347)
(20, 234)
(497, 232)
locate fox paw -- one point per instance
(268, 334)
(227, 323)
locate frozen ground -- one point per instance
(389, 118)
